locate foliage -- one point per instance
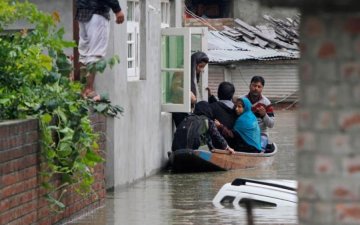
(100, 66)
(34, 81)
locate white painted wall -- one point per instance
(138, 142)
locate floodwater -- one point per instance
(185, 199)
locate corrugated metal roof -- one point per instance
(222, 49)
(278, 39)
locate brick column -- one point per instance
(328, 156)
(328, 143)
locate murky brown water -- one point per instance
(185, 199)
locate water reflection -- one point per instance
(185, 199)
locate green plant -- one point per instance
(34, 81)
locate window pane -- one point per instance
(137, 44)
(137, 12)
(196, 43)
(130, 64)
(167, 12)
(130, 10)
(173, 86)
(175, 69)
(172, 52)
(130, 50)
(163, 13)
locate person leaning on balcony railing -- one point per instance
(94, 27)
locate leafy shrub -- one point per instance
(34, 81)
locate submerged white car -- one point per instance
(259, 193)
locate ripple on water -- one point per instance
(181, 199)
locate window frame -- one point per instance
(165, 22)
(203, 32)
(133, 28)
(186, 32)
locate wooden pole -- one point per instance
(76, 39)
(249, 214)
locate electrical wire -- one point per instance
(200, 19)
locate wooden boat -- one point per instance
(188, 160)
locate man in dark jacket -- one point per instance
(223, 109)
(93, 17)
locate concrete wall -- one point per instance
(66, 15)
(137, 142)
(218, 24)
(252, 11)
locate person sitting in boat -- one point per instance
(223, 109)
(211, 97)
(199, 129)
(262, 108)
(246, 131)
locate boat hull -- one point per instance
(187, 160)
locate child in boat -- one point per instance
(198, 129)
(246, 130)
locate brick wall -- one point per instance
(328, 159)
(216, 23)
(21, 197)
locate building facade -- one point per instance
(137, 142)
